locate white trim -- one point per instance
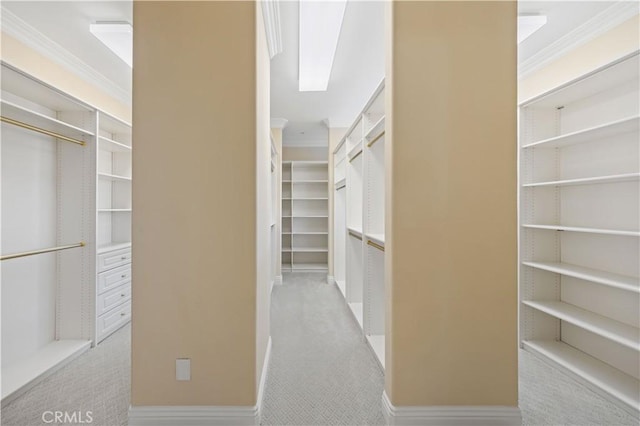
(606, 20)
(279, 123)
(450, 415)
(271, 16)
(25, 33)
(278, 280)
(194, 416)
(204, 415)
(263, 377)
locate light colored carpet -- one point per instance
(321, 373)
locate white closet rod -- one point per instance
(41, 251)
(374, 140)
(39, 130)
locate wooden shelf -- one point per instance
(627, 177)
(585, 230)
(605, 278)
(602, 376)
(25, 115)
(377, 344)
(112, 146)
(356, 310)
(614, 128)
(618, 332)
(310, 266)
(114, 177)
(21, 375)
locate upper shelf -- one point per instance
(33, 118)
(626, 177)
(618, 127)
(375, 130)
(114, 177)
(585, 230)
(113, 146)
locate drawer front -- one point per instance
(113, 298)
(113, 278)
(113, 320)
(114, 259)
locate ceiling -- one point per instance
(358, 66)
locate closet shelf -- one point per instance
(309, 216)
(309, 250)
(607, 130)
(306, 233)
(606, 278)
(113, 210)
(618, 332)
(33, 118)
(357, 150)
(311, 181)
(356, 231)
(21, 374)
(310, 266)
(112, 146)
(626, 177)
(342, 182)
(375, 130)
(611, 380)
(114, 177)
(585, 230)
(113, 246)
(377, 344)
(306, 162)
(376, 238)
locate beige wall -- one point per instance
(335, 136)
(263, 193)
(304, 153)
(31, 62)
(620, 41)
(194, 195)
(451, 243)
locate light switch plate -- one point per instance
(183, 369)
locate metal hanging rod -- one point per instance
(39, 130)
(355, 156)
(47, 250)
(354, 235)
(374, 140)
(341, 187)
(372, 244)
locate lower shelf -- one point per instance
(377, 344)
(310, 267)
(601, 377)
(22, 375)
(356, 310)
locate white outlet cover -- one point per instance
(183, 369)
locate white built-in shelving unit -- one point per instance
(359, 214)
(305, 210)
(114, 179)
(579, 228)
(48, 229)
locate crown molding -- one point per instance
(271, 16)
(279, 123)
(606, 20)
(15, 27)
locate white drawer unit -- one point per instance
(113, 278)
(113, 298)
(113, 320)
(112, 259)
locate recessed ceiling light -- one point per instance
(529, 24)
(117, 36)
(320, 24)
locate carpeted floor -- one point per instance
(321, 373)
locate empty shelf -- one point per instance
(618, 332)
(112, 146)
(113, 177)
(113, 246)
(606, 278)
(375, 130)
(603, 376)
(603, 131)
(355, 231)
(586, 230)
(376, 238)
(627, 177)
(310, 266)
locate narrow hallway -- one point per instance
(322, 371)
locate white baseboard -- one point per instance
(330, 279)
(203, 415)
(450, 415)
(278, 280)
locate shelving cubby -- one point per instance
(359, 215)
(579, 228)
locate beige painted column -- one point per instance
(451, 224)
(201, 133)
